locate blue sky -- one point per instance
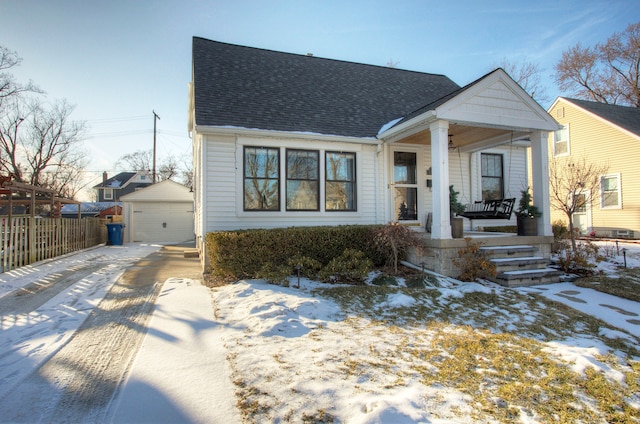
(118, 60)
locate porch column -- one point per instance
(441, 226)
(540, 180)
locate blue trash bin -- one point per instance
(114, 233)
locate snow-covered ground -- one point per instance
(29, 339)
(292, 351)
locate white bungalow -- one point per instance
(285, 140)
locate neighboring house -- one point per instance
(110, 189)
(606, 135)
(284, 140)
(92, 210)
(162, 212)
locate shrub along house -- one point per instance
(284, 140)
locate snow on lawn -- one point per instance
(377, 355)
(28, 340)
(454, 352)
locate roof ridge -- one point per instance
(312, 56)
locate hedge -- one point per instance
(243, 253)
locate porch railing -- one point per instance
(25, 240)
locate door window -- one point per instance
(405, 186)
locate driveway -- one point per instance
(108, 369)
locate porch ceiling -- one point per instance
(463, 136)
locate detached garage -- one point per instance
(161, 213)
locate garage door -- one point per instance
(162, 222)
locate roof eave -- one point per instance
(255, 132)
(409, 127)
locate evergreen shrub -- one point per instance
(244, 253)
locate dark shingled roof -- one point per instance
(253, 88)
(117, 181)
(623, 116)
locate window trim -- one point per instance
(501, 178)
(287, 179)
(111, 194)
(281, 146)
(244, 178)
(618, 191)
(353, 182)
(564, 130)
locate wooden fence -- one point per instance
(25, 239)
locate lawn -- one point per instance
(446, 352)
(625, 284)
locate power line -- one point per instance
(122, 119)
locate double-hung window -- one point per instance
(340, 181)
(610, 192)
(302, 182)
(561, 141)
(261, 179)
(303, 174)
(492, 176)
(108, 194)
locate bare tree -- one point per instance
(573, 182)
(187, 171)
(9, 87)
(41, 145)
(170, 168)
(528, 76)
(606, 73)
(140, 160)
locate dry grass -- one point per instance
(627, 286)
(484, 346)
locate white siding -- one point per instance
(496, 100)
(223, 198)
(515, 180)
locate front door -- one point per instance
(405, 186)
(581, 215)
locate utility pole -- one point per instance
(155, 118)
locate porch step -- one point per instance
(509, 251)
(520, 263)
(528, 277)
(518, 266)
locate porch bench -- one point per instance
(490, 209)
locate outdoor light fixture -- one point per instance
(297, 268)
(451, 145)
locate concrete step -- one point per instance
(528, 277)
(509, 251)
(520, 263)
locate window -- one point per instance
(492, 177)
(561, 141)
(261, 179)
(405, 186)
(108, 194)
(302, 180)
(580, 200)
(610, 192)
(340, 184)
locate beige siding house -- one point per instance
(606, 135)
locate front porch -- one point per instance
(519, 260)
